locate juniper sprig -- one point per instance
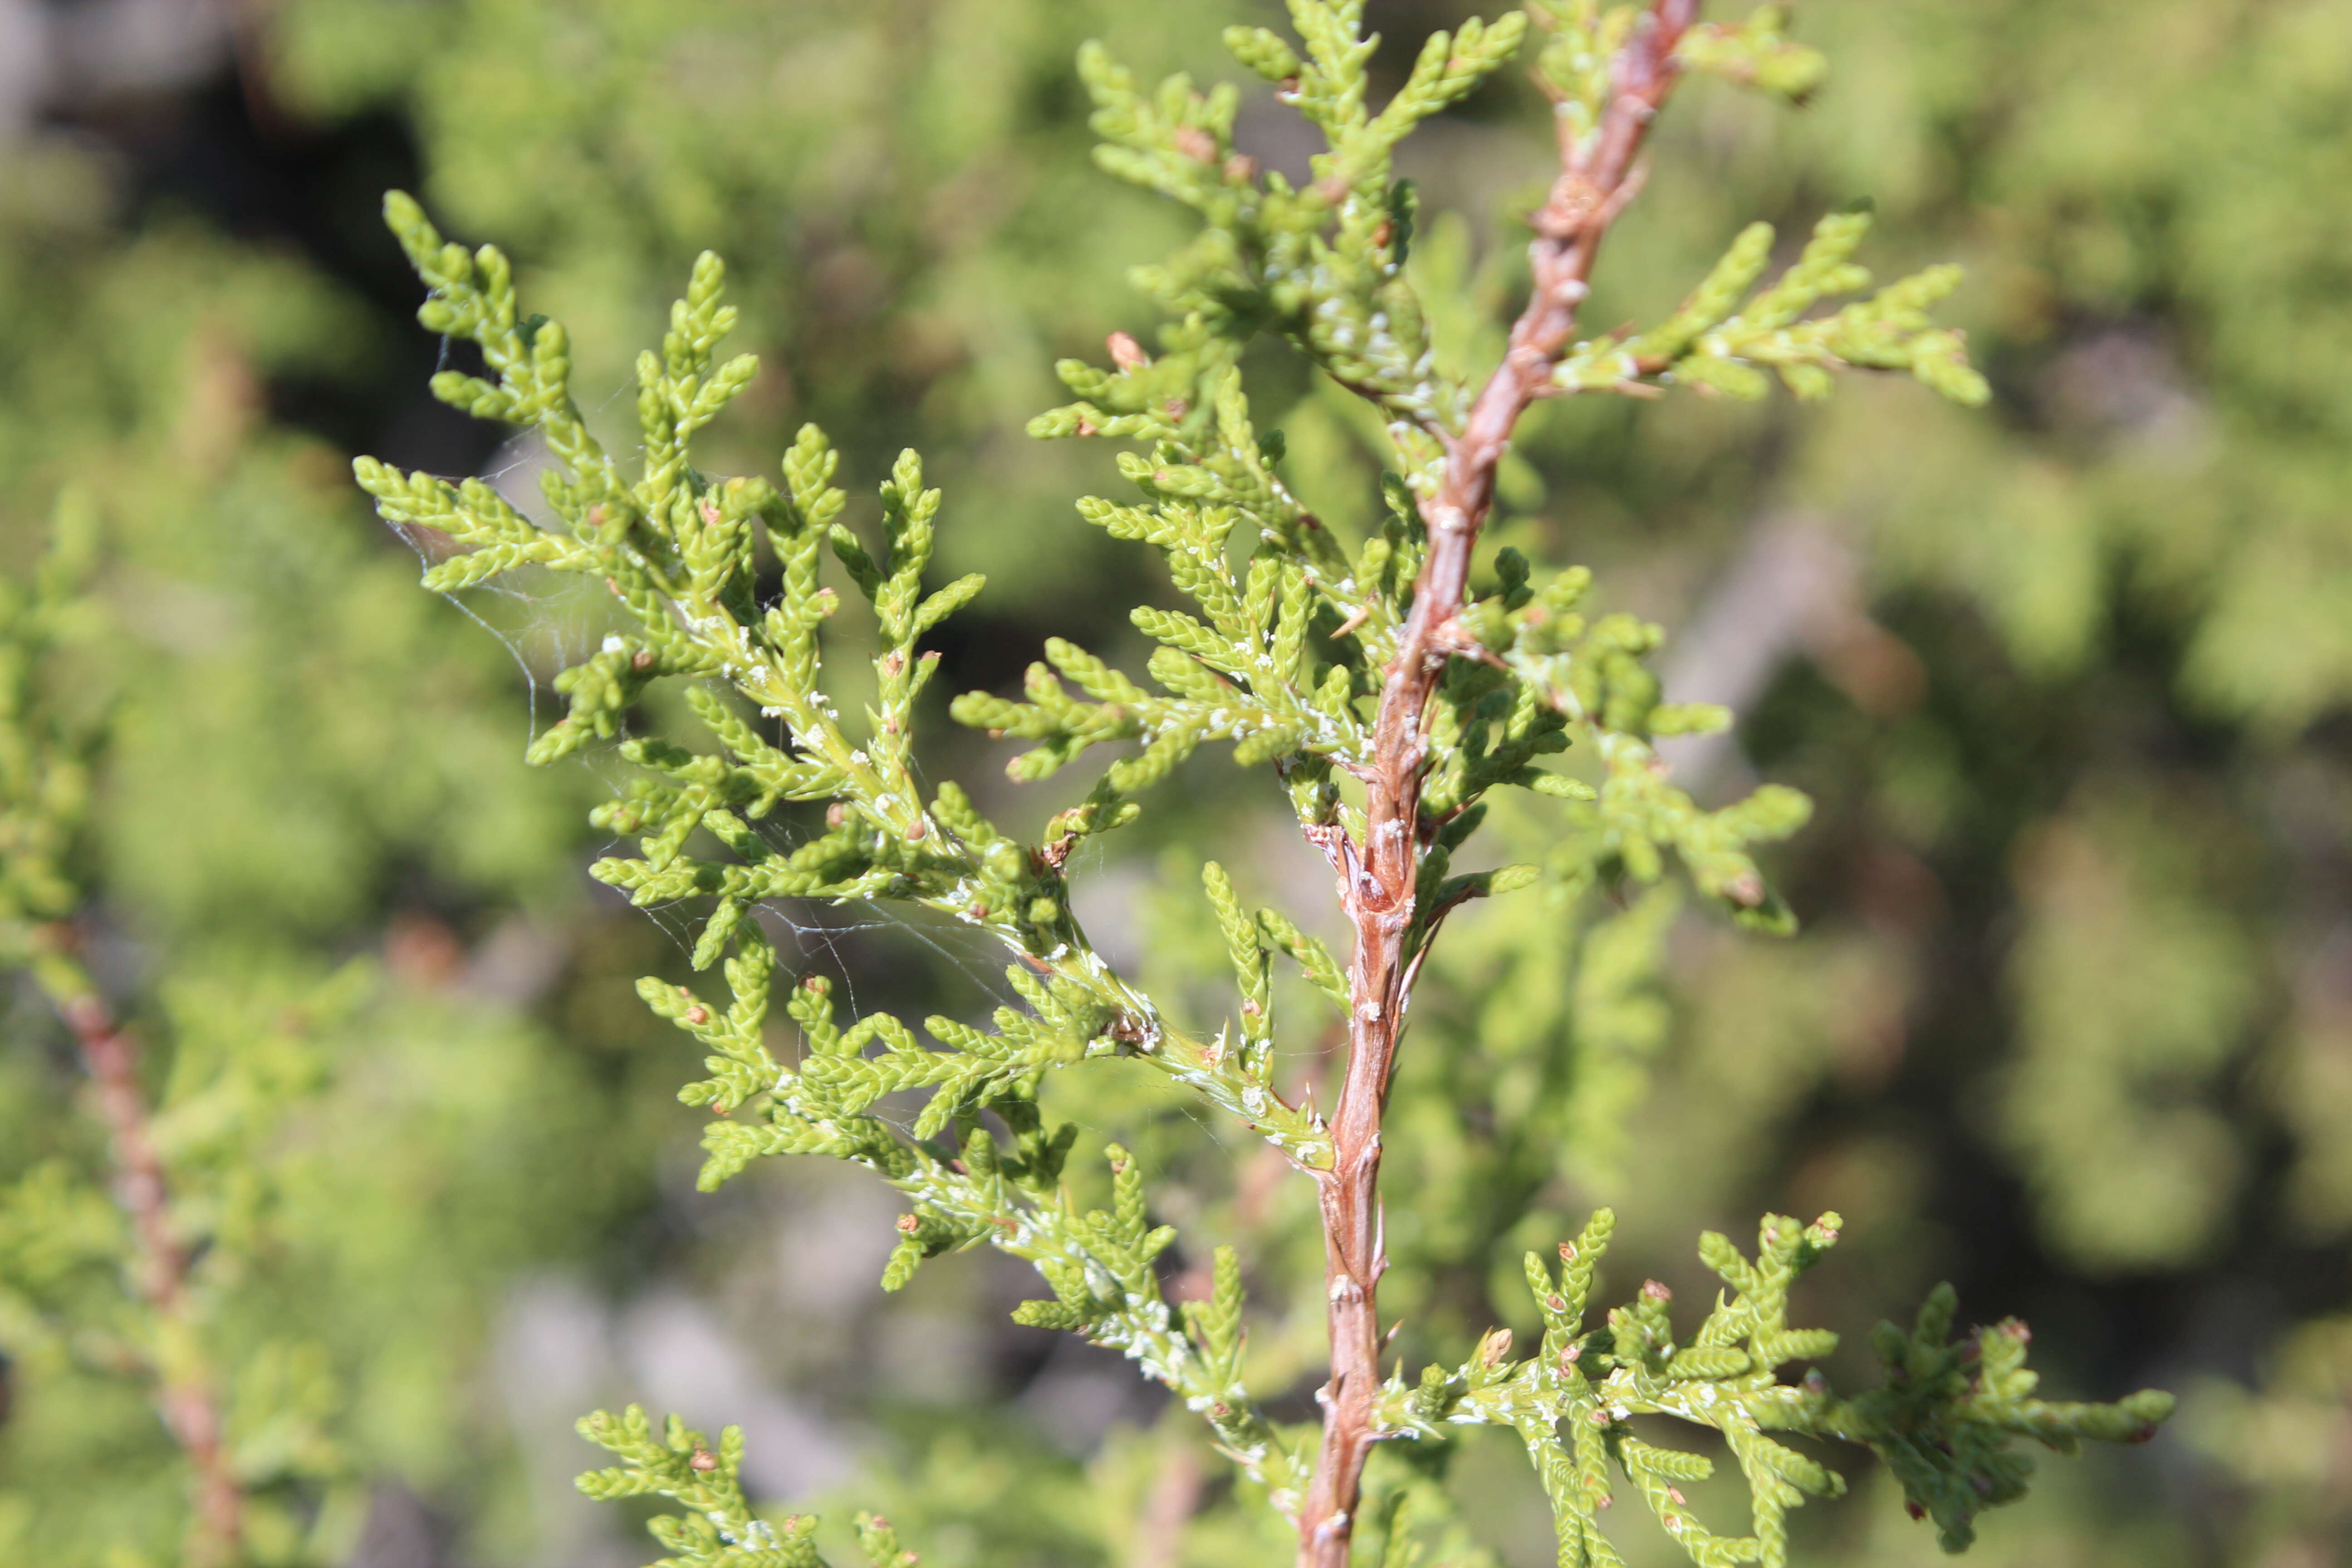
(1392, 688)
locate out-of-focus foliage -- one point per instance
(339, 1163)
(2283, 1443)
(2156, 542)
(363, 1151)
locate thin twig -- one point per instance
(1594, 183)
(189, 1402)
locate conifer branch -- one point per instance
(1379, 877)
(1328, 659)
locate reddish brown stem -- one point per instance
(189, 1404)
(1377, 876)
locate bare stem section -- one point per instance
(1597, 179)
(186, 1395)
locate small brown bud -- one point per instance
(1674, 1496)
(1383, 232)
(1571, 1355)
(698, 1015)
(836, 814)
(1089, 427)
(704, 1460)
(1195, 144)
(1494, 1347)
(1241, 169)
(813, 984)
(918, 831)
(1652, 1291)
(1915, 1510)
(977, 911)
(1557, 1303)
(1250, 1009)
(1220, 1410)
(1126, 352)
(1287, 85)
(1567, 1252)
(893, 662)
(709, 513)
(908, 1224)
(642, 659)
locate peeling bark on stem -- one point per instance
(188, 1402)
(1378, 877)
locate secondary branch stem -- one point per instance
(189, 1402)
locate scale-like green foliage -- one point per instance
(676, 550)
(1942, 1421)
(1718, 343)
(719, 1529)
(1294, 627)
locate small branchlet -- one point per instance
(718, 1528)
(1756, 53)
(1722, 345)
(1943, 1421)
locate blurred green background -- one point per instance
(2070, 680)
